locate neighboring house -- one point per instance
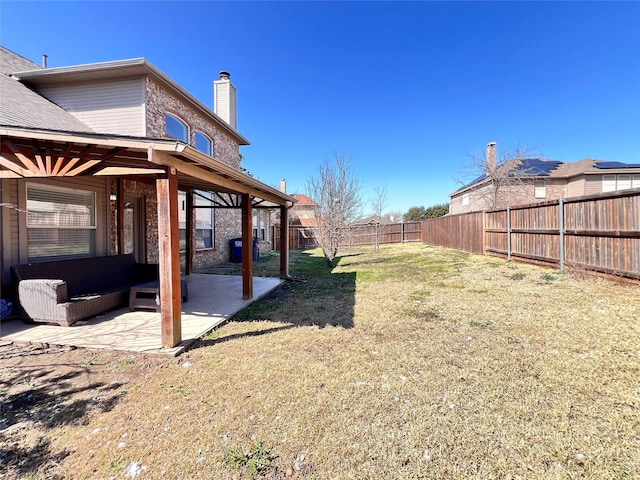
(303, 222)
(108, 158)
(532, 180)
(373, 220)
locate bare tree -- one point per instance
(378, 204)
(494, 173)
(336, 192)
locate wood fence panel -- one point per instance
(599, 232)
(462, 232)
(604, 234)
(496, 232)
(535, 232)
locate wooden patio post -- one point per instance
(188, 268)
(247, 248)
(169, 249)
(120, 215)
(284, 242)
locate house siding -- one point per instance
(116, 106)
(576, 187)
(593, 184)
(10, 238)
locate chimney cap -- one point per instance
(491, 144)
(225, 75)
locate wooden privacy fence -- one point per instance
(357, 235)
(361, 235)
(598, 232)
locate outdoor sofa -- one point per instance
(65, 291)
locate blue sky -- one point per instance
(408, 90)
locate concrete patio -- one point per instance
(212, 300)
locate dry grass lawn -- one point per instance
(416, 362)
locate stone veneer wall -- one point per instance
(148, 191)
(159, 101)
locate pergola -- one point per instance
(171, 165)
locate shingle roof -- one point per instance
(22, 107)
(11, 62)
(303, 199)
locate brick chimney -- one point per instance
(224, 99)
(491, 159)
(283, 186)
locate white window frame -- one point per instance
(65, 229)
(540, 189)
(623, 182)
(614, 183)
(465, 200)
(182, 221)
(200, 134)
(182, 123)
(204, 217)
(608, 183)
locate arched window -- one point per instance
(176, 128)
(204, 143)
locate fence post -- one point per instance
(484, 232)
(561, 226)
(508, 232)
(401, 232)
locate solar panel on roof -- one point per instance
(536, 166)
(605, 165)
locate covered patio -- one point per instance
(169, 166)
(212, 300)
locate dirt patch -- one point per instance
(43, 387)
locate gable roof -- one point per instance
(22, 107)
(40, 77)
(303, 199)
(541, 167)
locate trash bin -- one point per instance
(235, 250)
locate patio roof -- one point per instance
(29, 153)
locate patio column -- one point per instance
(284, 242)
(247, 248)
(120, 215)
(169, 250)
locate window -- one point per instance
(608, 183)
(176, 128)
(540, 189)
(204, 220)
(182, 220)
(612, 183)
(61, 223)
(465, 199)
(204, 143)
